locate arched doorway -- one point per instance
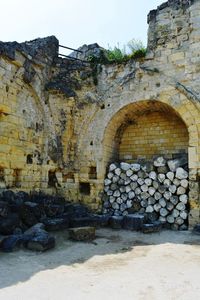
(143, 130)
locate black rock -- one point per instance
(133, 222)
(11, 242)
(53, 210)
(40, 242)
(58, 223)
(4, 209)
(196, 229)
(116, 222)
(99, 220)
(150, 228)
(9, 223)
(151, 217)
(30, 213)
(81, 222)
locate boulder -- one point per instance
(40, 242)
(9, 223)
(133, 221)
(151, 228)
(82, 233)
(116, 222)
(58, 223)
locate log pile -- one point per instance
(159, 190)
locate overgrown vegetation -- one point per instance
(133, 50)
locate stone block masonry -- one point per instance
(62, 122)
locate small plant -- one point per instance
(117, 55)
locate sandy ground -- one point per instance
(117, 265)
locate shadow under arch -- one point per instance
(138, 116)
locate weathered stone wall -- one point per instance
(61, 122)
(151, 134)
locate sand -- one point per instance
(116, 265)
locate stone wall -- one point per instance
(62, 121)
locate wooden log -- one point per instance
(148, 181)
(161, 177)
(153, 175)
(184, 183)
(144, 195)
(111, 199)
(175, 213)
(129, 173)
(181, 190)
(117, 171)
(124, 197)
(117, 193)
(140, 181)
(157, 207)
(162, 189)
(179, 221)
(167, 182)
(174, 200)
(128, 188)
(157, 195)
(169, 206)
(119, 200)
(107, 182)
(170, 175)
(167, 195)
(110, 175)
(183, 198)
(180, 206)
(137, 191)
(151, 190)
(144, 203)
(113, 186)
(149, 209)
(176, 181)
(151, 201)
(170, 219)
(133, 185)
(164, 212)
(144, 188)
(162, 202)
(112, 167)
(155, 184)
(129, 203)
(184, 214)
(134, 177)
(131, 195)
(173, 188)
(115, 178)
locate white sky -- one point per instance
(76, 22)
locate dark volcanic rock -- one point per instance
(9, 223)
(12, 242)
(133, 222)
(150, 228)
(4, 209)
(82, 233)
(41, 242)
(58, 223)
(30, 213)
(196, 229)
(53, 210)
(116, 222)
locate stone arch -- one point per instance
(183, 117)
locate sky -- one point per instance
(76, 22)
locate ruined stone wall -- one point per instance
(62, 121)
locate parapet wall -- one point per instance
(60, 128)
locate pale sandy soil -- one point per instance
(117, 265)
